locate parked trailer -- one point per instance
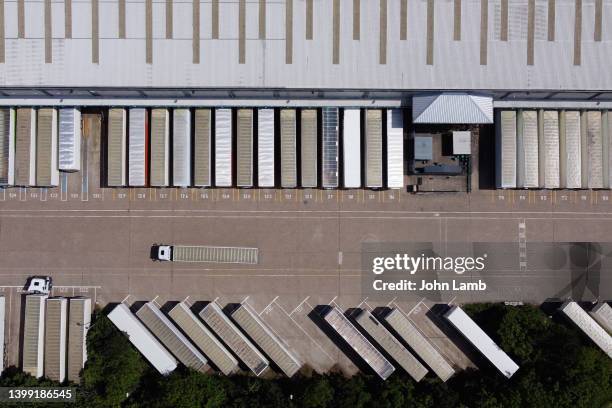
(390, 344)
(69, 139)
(223, 148)
(2, 324)
(373, 148)
(588, 326)
(288, 151)
(395, 148)
(550, 129)
(571, 152)
(358, 343)
(309, 147)
(527, 143)
(138, 130)
(202, 148)
(479, 339)
(142, 339)
(214, 317)
(351, 148)
(55, 339)
(244, 148)
(181, 148)
(47, 173)
(79, 319)
(183, 253)
(329, 148)
(204, 339)
(7, 147)
(606, 120)
(116, 148)
(505, 149)
(160, 148)
(408, 332)
(266, 339)
(34, 335)
(594, 149)
(167, 333)
(265, 147)
(25, 147)
(602, 314)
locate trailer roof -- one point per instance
(142, 339)
(589, 326)
(481, 341)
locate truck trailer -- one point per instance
(184, 253)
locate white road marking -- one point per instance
(125, 298)
(269, 304)
(299, 305)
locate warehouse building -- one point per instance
(529, 69)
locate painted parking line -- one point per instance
(269, 304)
(299, 305)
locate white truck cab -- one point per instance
(39, 284)
(164, 253)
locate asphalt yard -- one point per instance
(90, 238)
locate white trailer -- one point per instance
(395, 148)
(55, 338)
(265, 147)
(142, 339)
(69, 139)
(528, 153)
(181, 148)
(223, 148)
(550, 129)
(160, 148)
(116, 148)
(137, 147)
(25, 147)
(34, 335)
(351, 143)
(588, 326)
(329, 148)
(7, 147)
(571, 155)
(505, 148)
(479, 339)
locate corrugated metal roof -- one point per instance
(7, 146)
(79, 318)
(589, 326)
(55, 339)
(451, 108)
